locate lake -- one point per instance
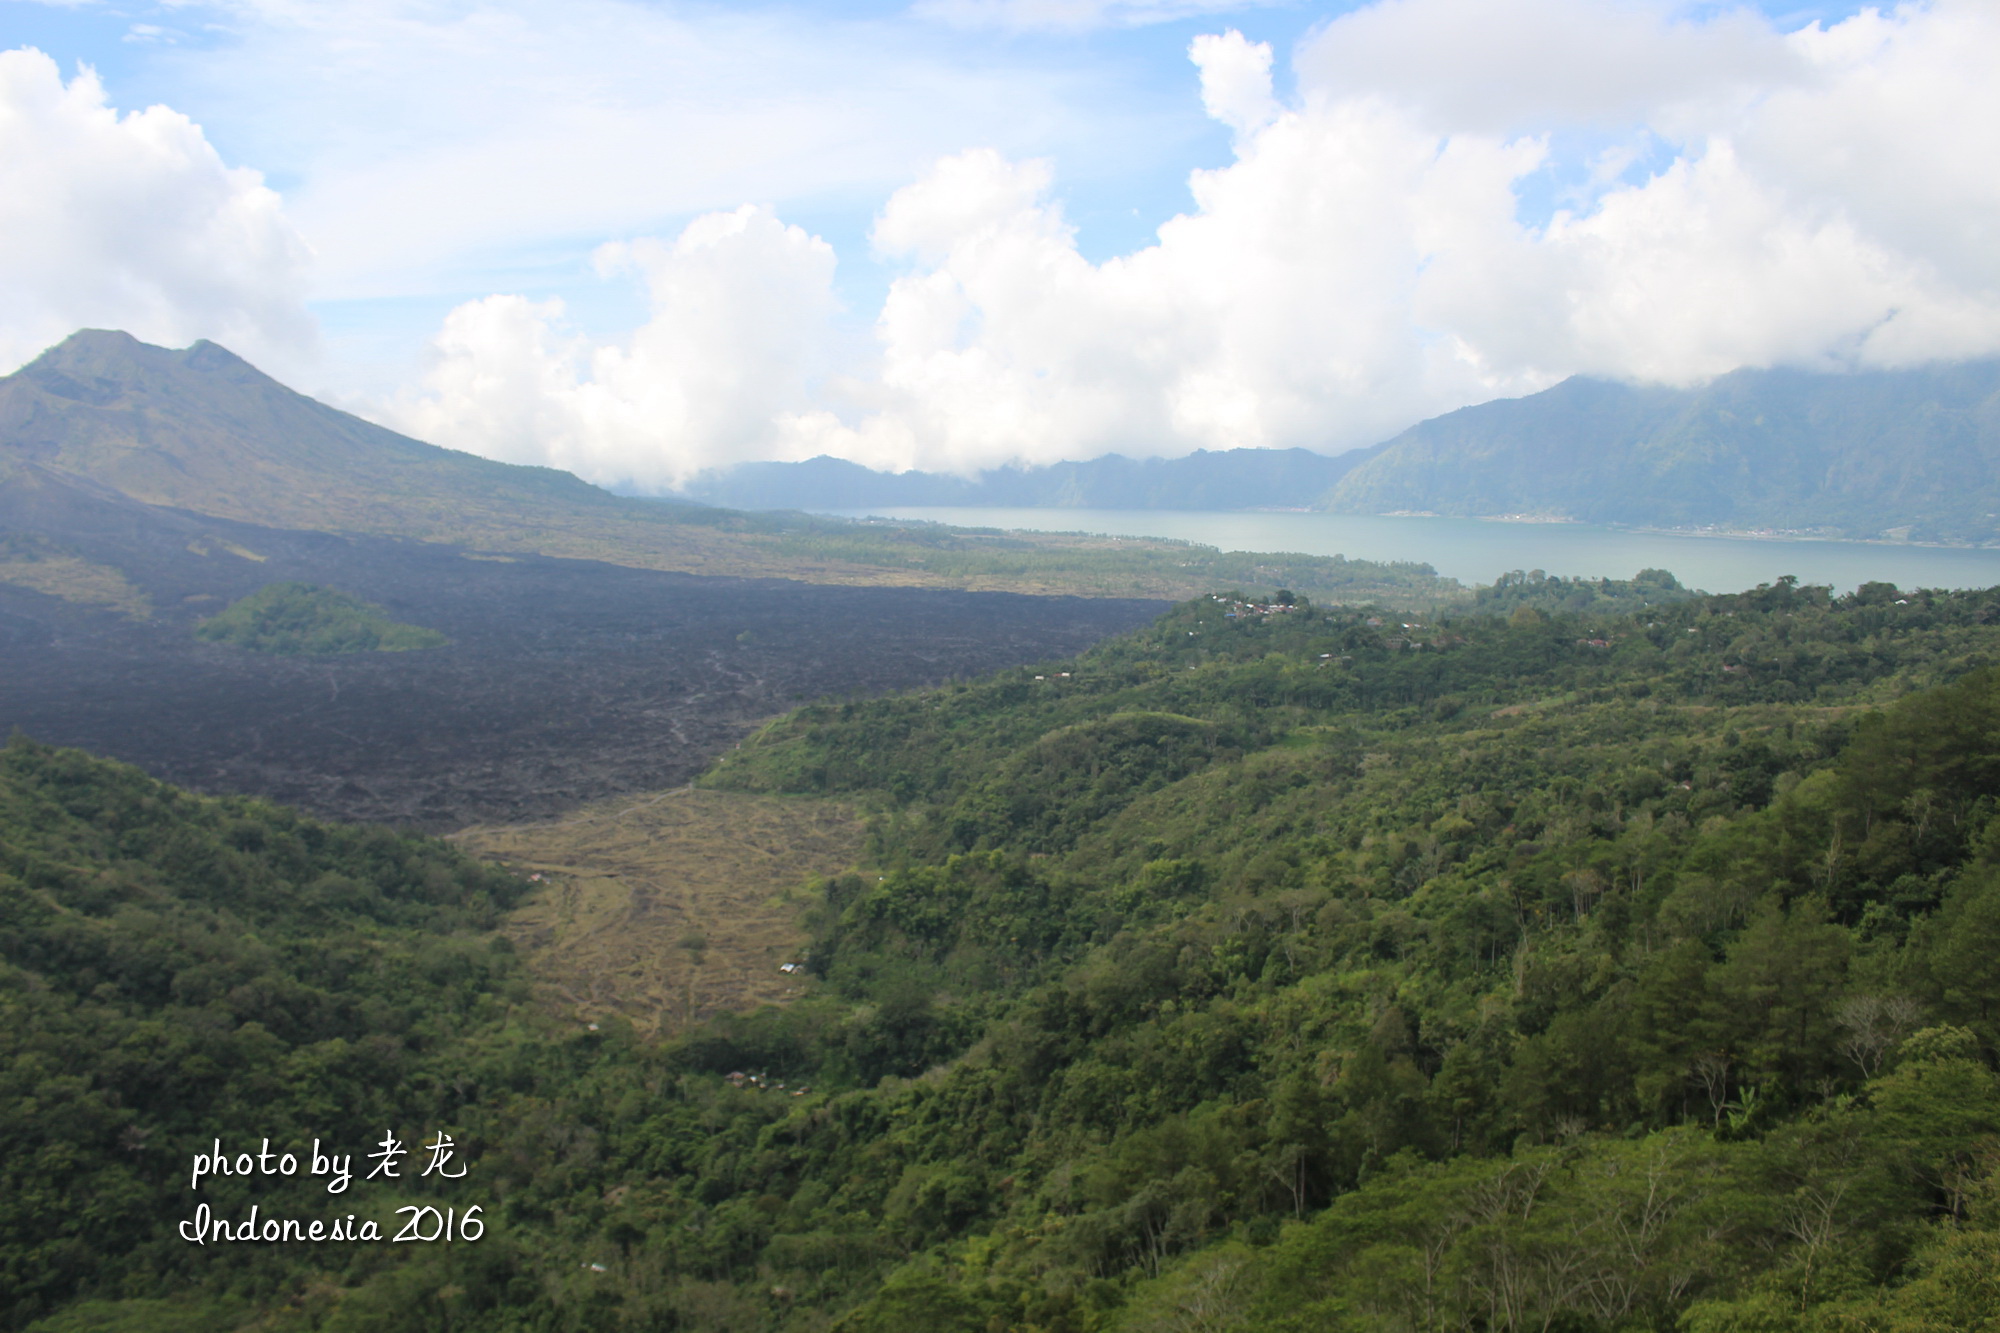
(1478, 550)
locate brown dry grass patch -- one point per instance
(671, 907)
(77, 580)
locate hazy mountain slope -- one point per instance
(824, 483)
(1865, 454)
(1226, 479)
(202, 431)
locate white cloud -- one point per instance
(1734, 196)
(1363, 263)
(741, 305)
(1483, 66)
(1069, 15)
(1276, 314)
(1899, 130)
(1235, 80)
(1840, 217)
(133, 222)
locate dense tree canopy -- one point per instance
(294, 618)
(1272, 968)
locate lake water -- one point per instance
(1478, 550)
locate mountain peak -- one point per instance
(104, 366)
(116, 354)
(199, 428)
(211, 356)
(94, 347)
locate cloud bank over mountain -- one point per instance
(742, 305)
(1421, 204)
(134, 222)
(1723, 194)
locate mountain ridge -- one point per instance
(1904, 454)
(103, 406)
(201, 432)
(1907, 454)
(1204, 479)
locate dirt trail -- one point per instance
(669, 907)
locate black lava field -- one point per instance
(565, 680)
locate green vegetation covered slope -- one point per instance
(1269, 969)
(1903, 453)
(1298, 972)
(292, 618)
(176, 969)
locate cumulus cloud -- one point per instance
(1732, 195)
(132, 222)
(1278, 313)
(740, 309)
(1811, 198)
(1485, 67)
(1235, 80)
(1836, 219)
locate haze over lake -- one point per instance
(1478, 550)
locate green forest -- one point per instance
(1596, 957)
(289, 619)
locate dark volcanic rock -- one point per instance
(565, 681)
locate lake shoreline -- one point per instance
(1476, 551)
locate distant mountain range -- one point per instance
(104, 436)
(1229, 479)
(1904, 454)
(1911, 454)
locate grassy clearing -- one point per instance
(926, 555)
(667, 908)
(76, 580)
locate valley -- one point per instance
(1238, 972)
(667, 909)
(1000, 666)
(839, 957)
(563, 681)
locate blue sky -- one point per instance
(1114, 106)
(1121, 122)
(430, 161)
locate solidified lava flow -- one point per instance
(564, 681)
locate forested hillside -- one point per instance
(1272, 968)
(174, 970)
(1470, 975)
(1906, 454)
